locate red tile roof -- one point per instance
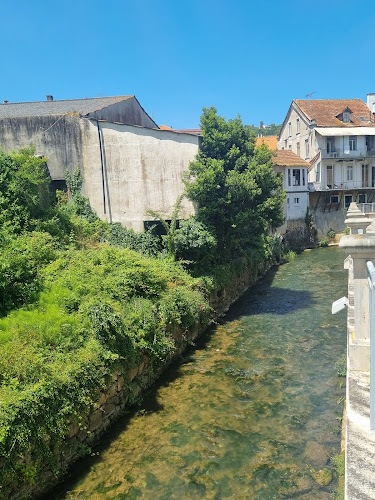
(269, 140)
(326, 111)
(286, 158)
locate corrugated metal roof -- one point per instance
(45, 108)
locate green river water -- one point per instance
(249, 414)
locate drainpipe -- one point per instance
(102, 163)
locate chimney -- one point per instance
(371, 102)
(49, 97)
(5, 101)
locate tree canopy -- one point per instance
(233, 185)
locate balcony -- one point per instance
(367, 208)
(339, 153)
(334, 153)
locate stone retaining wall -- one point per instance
(124, 387)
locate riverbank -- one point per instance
(252, 412)
(56, 421)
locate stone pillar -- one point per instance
(361, 247)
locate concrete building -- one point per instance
(337, 138)
(128, 164)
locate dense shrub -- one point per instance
(21, 260)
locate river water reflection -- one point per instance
(250, 413)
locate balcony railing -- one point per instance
(366, 207)
(332, 154)
(339, 153)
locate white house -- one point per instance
(295, 183)
(337, 138)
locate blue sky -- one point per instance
(178, 56)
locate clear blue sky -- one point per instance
(178, 56)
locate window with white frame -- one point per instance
(298, 126)
(303, 177)
(289, 178)
(296, 177)
(353, 143)
(349, 173)
(290, 129)
(296, 201)
(331, 145)
(346, 117)
(298, 149)
(307, 149)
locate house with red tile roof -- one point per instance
(337, 138)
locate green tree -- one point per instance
(233, 185)
(24, 194)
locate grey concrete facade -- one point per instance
(128, 164)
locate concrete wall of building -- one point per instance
(290, 137)
(296, 204)
(326, 218)
(57, 137)
(129, 112)
(143, 169)
(297, 196)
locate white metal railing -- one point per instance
(371, 285)
(334, 153)
(366, 207)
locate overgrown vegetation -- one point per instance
(79, 295)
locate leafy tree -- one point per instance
(24, 194)
(237, 194)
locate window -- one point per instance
(364, 175)
(349, 173)
(317, 175)
(346, 117)
(298, 126)
(290, 147)
(362, 198)
(303, 177)
(287, 201)
(334, 198)
(307, 149)
(296, 201)
(290, 129)
(298, 149)
(296, 177)
(289, 178)
(329, 176)
(353, 143)
(331, 145)
(347, 200)
(285, 143)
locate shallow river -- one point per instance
(249, 414)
